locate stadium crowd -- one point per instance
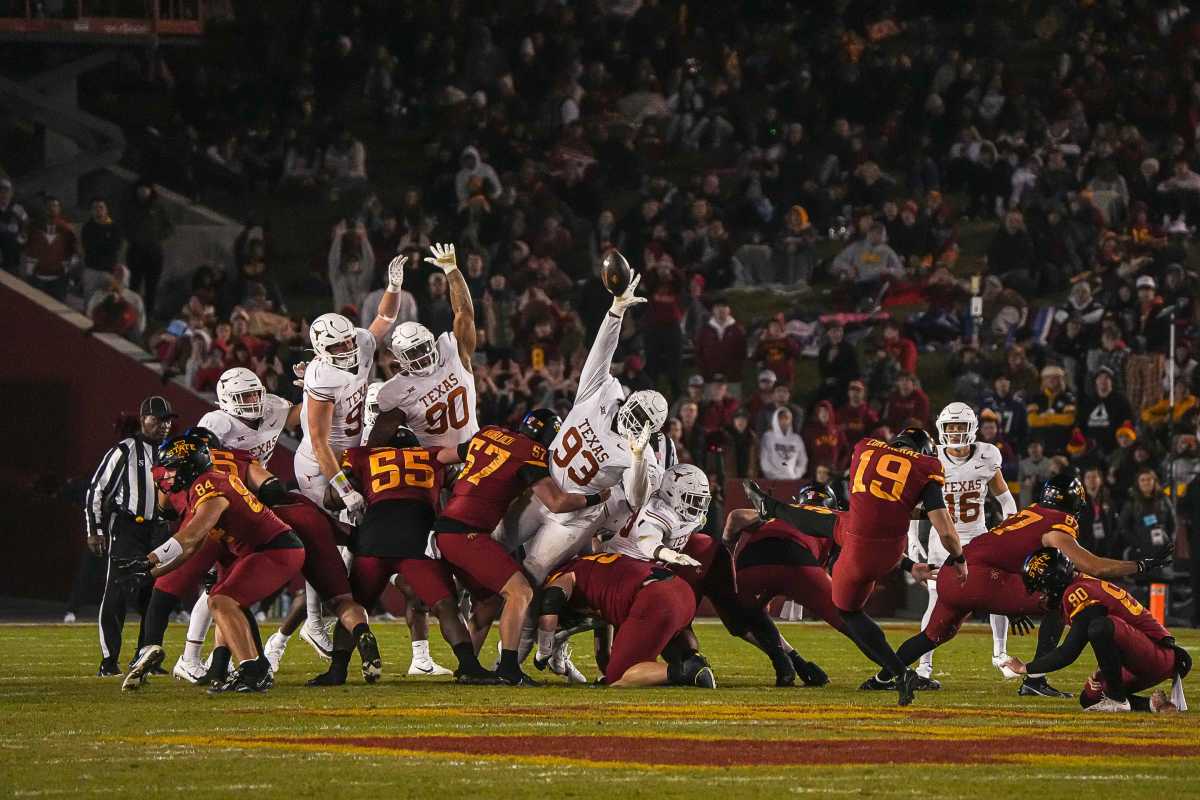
(1022, 227)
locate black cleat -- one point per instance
(1040, 687)
(692, 671)
(482, 677)
(705, 679)
(147, 659)
(159, 671)
(518, 679)
(875, 684)
(928, 684)
(108, 669)
(809, 672)
(226, 684)
(372, 663)
(261, 683)
(906, 685)
(327, 678)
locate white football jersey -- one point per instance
(440, 408)
(588, 456)
(966, 487)
(260, 441)
(347, 390)
(655, 525)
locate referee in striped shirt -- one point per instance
(122, 519)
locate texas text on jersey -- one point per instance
(966, 487)
(258, 441)
(439, 408)
(655, 525)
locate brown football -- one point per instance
(615, 272)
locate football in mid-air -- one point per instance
(615, 272)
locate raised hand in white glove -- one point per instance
(298, 371)
(670, 556)
(627, 298)
(443, 257)
(396, 273)
(637, 444)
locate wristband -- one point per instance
(955, 560)
(342, 484)
(907, 564)
(386, 318)
(594, 499)
(170, 550)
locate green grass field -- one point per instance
(68, 733)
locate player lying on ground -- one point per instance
(648, 605)
(402, 483)
(888, 481)
(995, 584)
(500, 465)
(1133, 651)
(776, 559)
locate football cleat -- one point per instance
(327, 678)
(759, 499)
(811, 674)
(906, 686)
(147, 659)
(190, 670)
(692, 671)
(108, 669)
(925, 684)
(1039, 687)
(1106, 703)
(561, 664)
(372, 662)
(481, 678)
(519, 679)
(427, 667)
(226, 684)
(317, 635)
(877, 684)
(274, 649)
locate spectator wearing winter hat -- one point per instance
(1051, 413)
(782, 455)
(1103, 410)
(721, 344)
(906, 402)
(856, 418)
(1151, 330)
(824, 440)
(837, 363)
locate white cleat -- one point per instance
(147, 659)
(427, 667)
(1106, 703)
(560, 664)
(999, 663)
(317, 636)
(190, 670)
(276, 644)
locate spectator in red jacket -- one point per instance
(906, 402)
(824, 440)
(778, 352)
(717, 411)
(721, 344)
(856, 418)
(900, 347)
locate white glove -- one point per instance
(669, 556)
(627, 298)
(298, 371)
(637, 444)
(915, 551)
(443, 257)
(396, 273)
(355, 505)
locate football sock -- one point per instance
(545, 640)
(362, 628)
(254, 629)
(158, 615)
(999, 634)
(1108, 656)
(909, 652)
(508, 662)
(220, 663)
(467, 660)
(870, 639)
(312, 601)
(254, 668)
(340, 663)
(197, 628)
(420, 648)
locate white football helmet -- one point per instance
(685, 487)
(957, 414)
(240, 394)
(371, 409)
(334, 330)
(415, 349)
(645, 405)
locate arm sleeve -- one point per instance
(1066, 653)
(636, 480)
(648, 535)
(1008, 506)
(102, 486)
(596, 368)
(932, 497)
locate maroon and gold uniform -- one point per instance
(500, 465)
(323, 566)
(646, 603)
(1006, 546)
(267, 553)
(401, 488)
(1146, 659)
(886, 483)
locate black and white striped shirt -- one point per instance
(123, 482)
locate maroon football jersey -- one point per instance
(703, 548)
(778, 529)
(885, 484)
(246, 524)
(500, 465)
(389, 473)
(1088, 591)
(1006, 546)
(608, 583)
(229, 462)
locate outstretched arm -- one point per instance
(389, 304)
(1087, 561)
(460, 300)
(599, 360)
(1066, 653)
(558, 501)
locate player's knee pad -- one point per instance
(1100, 630)
(554, 600)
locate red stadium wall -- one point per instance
(63, 389)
